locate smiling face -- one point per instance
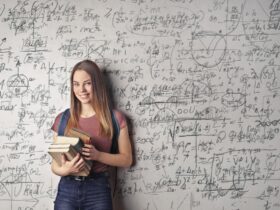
(82, 86)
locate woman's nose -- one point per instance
(82, 88)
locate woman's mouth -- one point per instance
(84, 96)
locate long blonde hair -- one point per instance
(100, 100)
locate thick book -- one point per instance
(76, 142)
(70, 146)
(75, 132)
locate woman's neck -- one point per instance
(87, 111)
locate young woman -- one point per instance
(90, 112)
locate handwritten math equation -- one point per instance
(199, 83)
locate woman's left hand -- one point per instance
(89, 152)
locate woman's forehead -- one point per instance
(81, 75)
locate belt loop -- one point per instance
(80, 178)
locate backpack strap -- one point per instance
(115, 149)
(63, 122)
(116, 133)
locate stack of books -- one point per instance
(70, 146)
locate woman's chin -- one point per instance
(85, 101)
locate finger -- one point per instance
(86, 153)
(84, 149)
(80, 164)
(87, 158)
(80, 168)
(89, 146)
(76, 158)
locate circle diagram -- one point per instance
(18, 84)
(208, 48)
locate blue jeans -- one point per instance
(93, 193)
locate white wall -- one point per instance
(198, 80)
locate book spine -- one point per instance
(56, 157)
(79, 146)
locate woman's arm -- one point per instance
(122, 159)
(67, 167)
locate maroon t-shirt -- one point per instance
(91, 126)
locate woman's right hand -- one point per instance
(73, 166)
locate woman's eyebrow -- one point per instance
(82, 81)
(87, 80)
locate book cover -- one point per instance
(75, 132)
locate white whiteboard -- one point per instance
(198, 81)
